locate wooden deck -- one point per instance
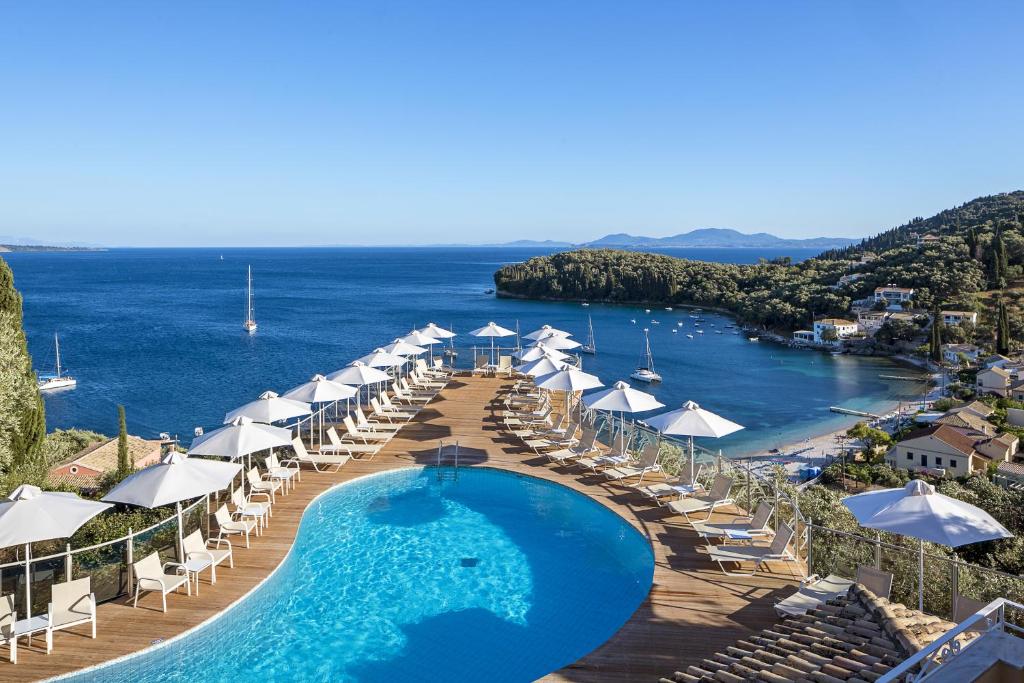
(692, 610)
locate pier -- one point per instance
(851, 411)
(905, 378)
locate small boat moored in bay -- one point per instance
(645, 370)
(58, 380)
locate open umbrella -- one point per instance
(321, 391)
(175, 478)
(492, 330)
(539, 351)
(541, 366)
(240, 438)
(269, 408)
(379, 358)
(622, 398)
(544, 331)
(916, 510)
(404, 348)
(569, 380)
(691, 420)
(554, 341)
(30, 515)
(359, 374)
(432, 330)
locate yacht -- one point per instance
(58, 380)
(250, 319)
(590, 347)
(645, 371)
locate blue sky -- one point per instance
(414, 122)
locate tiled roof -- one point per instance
(893, 289)
(1011, 468)
(855, 638)
(976, 407)
(968, 420)
(835, 321)
(951, 436)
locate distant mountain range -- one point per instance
(708, 238)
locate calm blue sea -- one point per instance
(159, 331)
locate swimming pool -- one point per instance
(405, 575)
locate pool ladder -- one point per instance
(447, 460)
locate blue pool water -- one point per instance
(160, 332)
(402, 577)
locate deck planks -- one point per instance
(692, 611)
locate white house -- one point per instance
(842, 328)
(804, 336)
(893, 295)
(957, 317)
(951, 353)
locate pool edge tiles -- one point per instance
(413, 560)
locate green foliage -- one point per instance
(935, 339)
(871, 438)
(124, 463)
(61, 444)
(22, 416)
(1002, 329)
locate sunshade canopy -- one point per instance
(541, 366)
(175, 478)
(433, 330)
(546, 330)
(269, 408)
(358, 374)
(692, 420)
(570, 379)
(554, 341)
(622, 398)
(30, 515)
(539, 351)
(420, 338)
(916, 510)
(492, 330)
(319, 389)
(379, 358)
(400, 347)
(242, 437)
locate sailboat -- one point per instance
(645, 371)
(589, 347)
(250, 320)
(58, 380)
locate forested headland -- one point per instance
(964, 258)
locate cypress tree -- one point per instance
(935, 345)
(124, 464)
(1002, 330)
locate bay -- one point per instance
(160, 332)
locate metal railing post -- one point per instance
(130, 556)
(810, 546)
(878, 550)
(67, 563)
(954, 587)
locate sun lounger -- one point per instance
(404, 395)
(758, 555)
(72, 603)
(440, 368)
(505, 365)
(257, 483)
(391, 412)
(418, 379)
(228, 526)
(335, 448)
(374, 425)
(704, 502)
(648, 463)
(335, 454)
(756, 525)
(199, 556)
(152, 576)
(586, 446)
(437, 370)
(480, 365)
(353, 433)
(966, 607)
(8, 617)
(258, 511)
(815, 591)
(681, 485)
(286, 474)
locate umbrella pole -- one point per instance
(920, 576)
(28, 581)
(692, 463)
(181, 537)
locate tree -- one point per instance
(1002, 329)
(935, 342)
(124, 463)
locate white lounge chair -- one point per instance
(227, 526)
(440, 368)
(437, 371)
(481, 366)
(407, 394)
(328, 455)
(504, 365)
(374, 425)
(758, 555)
(248, 507)
(353, 433)
(258, 484)
(756, 525)
(418, 380)
(815, 591)
(152, 576)
(648, 462)
(585, 447)
(8, 618)
(406, 398)
(287, 474)
(389, 411)
(683, 484)
(72, 603)
(199, 556)
(704, 502)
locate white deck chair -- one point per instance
(440, 368)
(152, 576)
(226, 526)
(612, 458)
(72, 603)
(374, 425)
(648, 462)
(353, 433)
(286, 474)
(758, 555)
(815, 591)
(246, 507)
(756, 525)
(258, 484)
(481, 365)
(426, 383)
(436, 371)
(329, 455)
(683, 484)
(199, 556)
(585, 447)
(416, 394)
(8, 618)
(704, 502)
(505, 365)
(389, 411)
(405, 396)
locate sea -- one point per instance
(159, 331)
